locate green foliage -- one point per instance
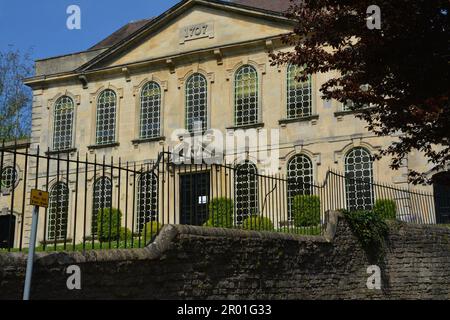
(258, 223)
(306, 210)
(370, 229)
(150, 230)
(108, 224)
(125, 234)
(220, 213)
(385, 208)
(15, 97)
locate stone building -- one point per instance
(201, 62)
(13, 168)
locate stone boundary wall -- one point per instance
(188, 262)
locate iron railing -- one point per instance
(109, 203)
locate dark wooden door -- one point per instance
(194, 199)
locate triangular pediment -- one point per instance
(192, 26)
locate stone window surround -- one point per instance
(51, 103)
(163, 84)
(93, 100)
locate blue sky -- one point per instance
(41, 24)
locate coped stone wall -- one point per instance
(207, 263)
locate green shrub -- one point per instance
(386, 208)
(108, 224)
(125, 234)
(150, 229)
(258, 223)
(220, 213)
(306, 210)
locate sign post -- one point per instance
(38, 199)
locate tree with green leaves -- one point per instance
(15, 97)
(401, 70)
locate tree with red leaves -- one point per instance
(400, 70)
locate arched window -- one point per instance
(9, 178)
(299, 94)
(246, 191)
(246, 96)
(58, 212)
(359, 179)
(196, 103)
(102, 199)
(147, 200)
(106, 117)
(300, 179)
(150, 111)
(63, 123)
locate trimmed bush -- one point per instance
(386, 209)
(306, 210)
(220, 213)
(150, 230)
(108, 224)
(125, 234)
(258, 223)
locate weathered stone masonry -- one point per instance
(205, 263)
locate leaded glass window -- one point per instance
(106, 117)
(196, 103)
(299, 94)
(246, 96)
(150, 111)
(147, 200)
(63, 123)
(359, 179)
(300, 179)
(58, 212)
(246, 191)
(102, 199)
(9, 178)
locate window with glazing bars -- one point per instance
(9, 178)
(150, 111)
(196, 103)
(63, 123)
(102, 199)
(359, 179)
(147, 200)
(246, 96)
(300, 179)
(246, 191)
(58, 212)
(106, 117)
(299, 94)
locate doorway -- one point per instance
(441, 187)
(7, 234)
(194, 198)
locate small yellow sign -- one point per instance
(39, 198)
